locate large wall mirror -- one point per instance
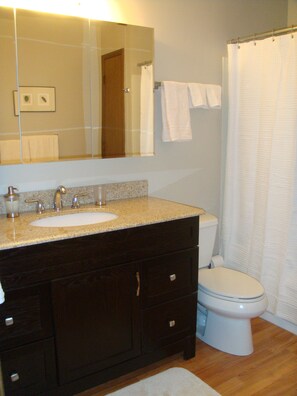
(73, 88)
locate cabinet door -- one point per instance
(96, 318)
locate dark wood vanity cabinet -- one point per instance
(27, 350)
(84, 310)
(97, 318)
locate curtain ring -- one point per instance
(273, 38)
(238, 46)
(255, 43)
(292, 33)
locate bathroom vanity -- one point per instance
(87, 304)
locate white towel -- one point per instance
(2, 295)
(175, 112)
(25, 150)
(146, 111)
(10, 151)
(198, 97)
(43, 147)
(214, 93)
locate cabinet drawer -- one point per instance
(28, 265)
(25, 316)
(29, 370)
(170, 276)
(169, 322)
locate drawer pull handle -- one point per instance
(138, 284)
(9, 321)
(14, 377)
(171, 323)
(172, 277)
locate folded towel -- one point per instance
(146, 110)
(34, 148)
(214, 93)
(10, 151)
(25, 150)
(43, 147)
(197, 93)
(2, 295)
(175, 112)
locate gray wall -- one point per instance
(292, 12)
(190, 41)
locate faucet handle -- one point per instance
(75, 201)
(40, 208)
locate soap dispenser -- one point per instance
(12, 202)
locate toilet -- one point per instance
(227, 299)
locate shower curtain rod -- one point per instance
(261, 36)
(145, 63)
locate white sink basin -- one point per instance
(74, 219)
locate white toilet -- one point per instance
(227, 299)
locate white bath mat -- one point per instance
(173, 382)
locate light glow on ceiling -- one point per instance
(107, 10)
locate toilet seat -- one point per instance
(229, 284)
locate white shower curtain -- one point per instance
(146, 110)
(259, 224)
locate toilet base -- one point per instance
(227, 334)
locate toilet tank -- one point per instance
(207, 233)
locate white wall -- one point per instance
(190, 40)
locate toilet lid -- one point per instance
(229, 283)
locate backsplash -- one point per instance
(114, 191)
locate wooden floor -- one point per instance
(270, 370)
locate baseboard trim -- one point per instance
(284, 324)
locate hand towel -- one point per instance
(2, 295)
(214, 93)
(197, 93)
(175, 112)
(146, 110)
(10, 151)
(43, 148)
(25, 150)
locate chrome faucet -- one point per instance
(58, 203)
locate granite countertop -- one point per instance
(132, 212)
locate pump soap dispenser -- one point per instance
(12, 202)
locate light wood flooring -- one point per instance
(270, 370)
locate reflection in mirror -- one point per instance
(85, 87)
(125, 56)
(52, 52)
(9, 125)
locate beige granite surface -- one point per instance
(132, 212)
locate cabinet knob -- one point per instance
(171, 323)
(9, 321)
(14, 377)
(172, 277)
